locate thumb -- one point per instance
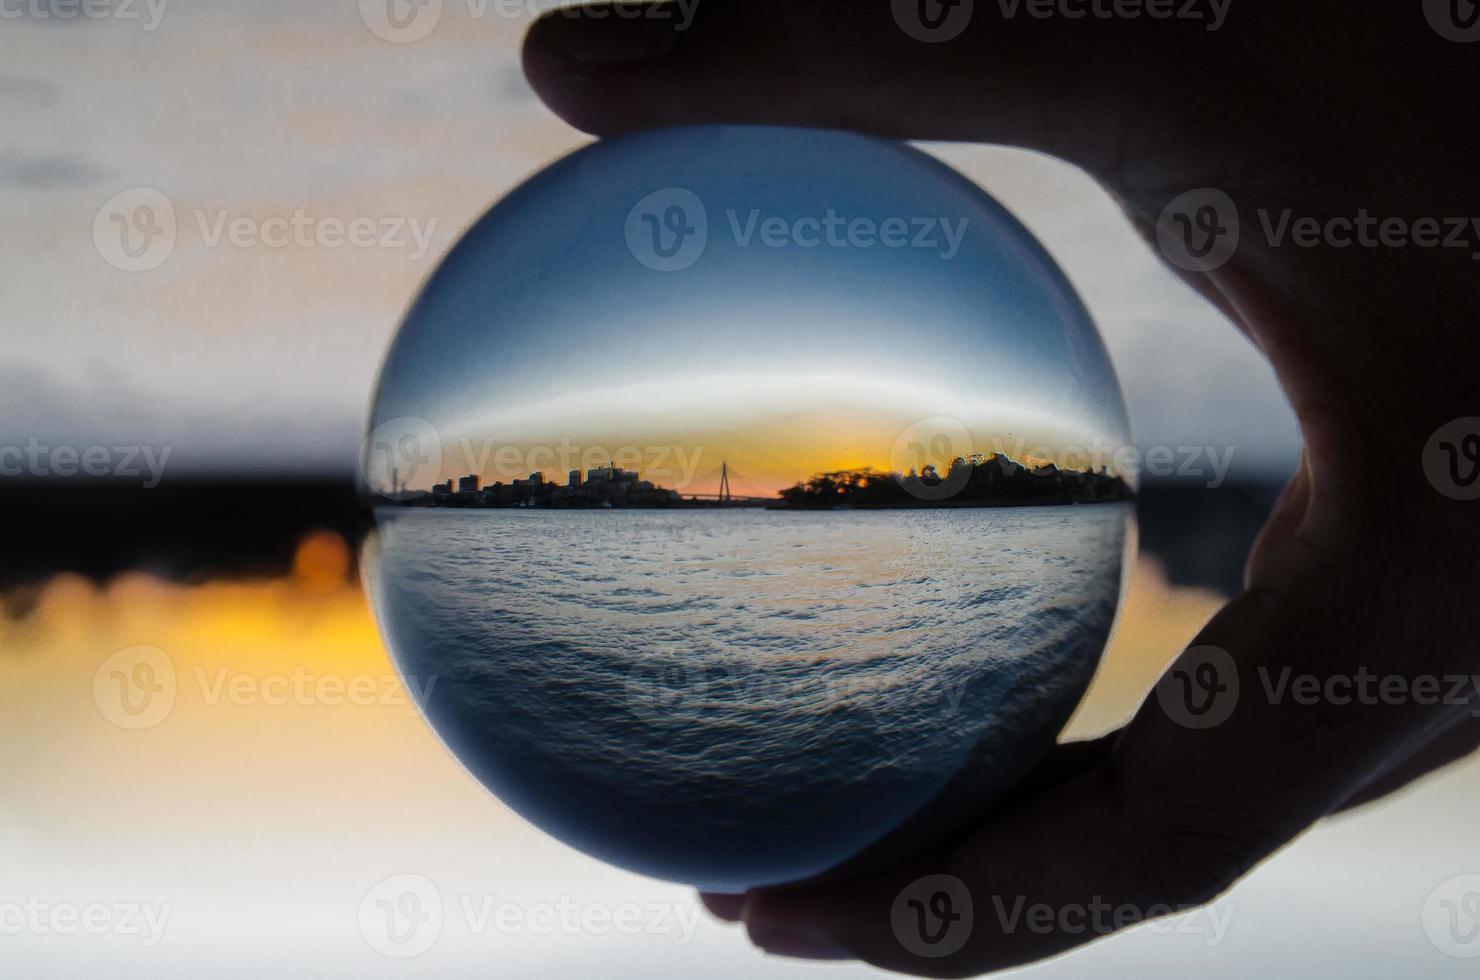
(868, 65)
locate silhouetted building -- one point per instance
(610, 480)
(975, 481)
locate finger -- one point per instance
(1177, 813)
(1046, 852)
(959, 806)
(1052, 85)
(1448, 748)
(1067, 762)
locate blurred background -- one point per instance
(180, 415)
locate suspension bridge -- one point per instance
(724, 496)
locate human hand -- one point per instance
(1366, 564)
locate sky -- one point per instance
(252, 347)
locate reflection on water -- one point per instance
(737, 697)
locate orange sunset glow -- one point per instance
(769, 433)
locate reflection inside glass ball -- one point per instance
(752, 497)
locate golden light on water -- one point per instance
(322, 561)
(295, 661)
(291, 775)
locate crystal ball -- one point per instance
(748, 503)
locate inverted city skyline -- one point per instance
(546, 342)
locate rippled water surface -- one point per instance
(730, 697)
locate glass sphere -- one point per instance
(747, 501)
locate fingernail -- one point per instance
(610, 42)
(796, 938)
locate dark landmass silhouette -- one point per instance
(977, 481)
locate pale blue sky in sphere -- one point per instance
(546, 300)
